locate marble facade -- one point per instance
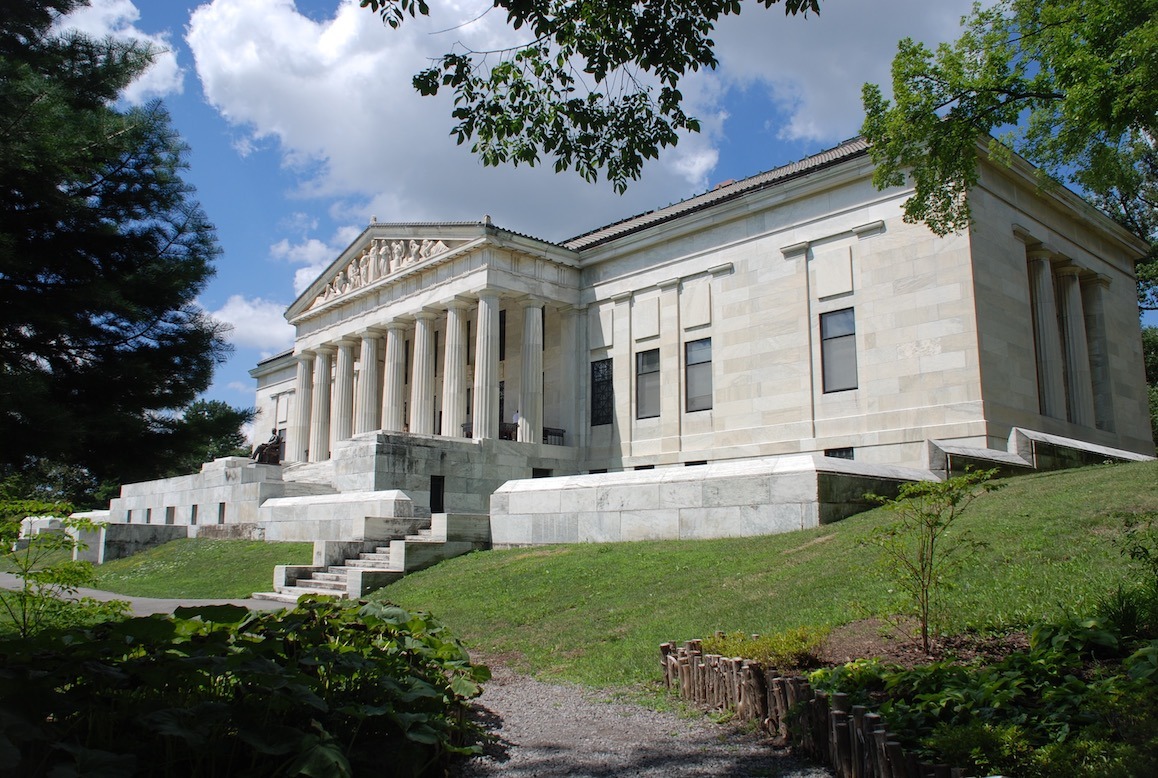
(791, 313)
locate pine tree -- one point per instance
(103, 251)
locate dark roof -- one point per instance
(849, 149)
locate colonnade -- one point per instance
(333, 405)
(1073, 375)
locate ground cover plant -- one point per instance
(201, 568)
(326, 689)
(597, 613)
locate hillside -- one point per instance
(597, 613)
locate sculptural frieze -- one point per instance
(381, 258)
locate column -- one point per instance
(344, 392)
(1077, 355)
(486, 368)
(368, 405)
(454, 370)
(1093, 305)
(575, 376)
(422, 376)
(1050, 379)
(298, 436)
(392, 386)
(531, 387)
(320, 412)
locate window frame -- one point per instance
(602, 392)
(648, 392)
(691, 369)
(835, 349)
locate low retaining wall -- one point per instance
(722, 499)
(116, 541)
(848, 738)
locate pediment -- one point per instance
(379, 258)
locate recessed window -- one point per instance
(602, 395)
(838, 350)
(647, 384)
(838, 453)
(698, 367)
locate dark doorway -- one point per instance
(540, 472)
(437, 494)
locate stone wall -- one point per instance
(728, 499)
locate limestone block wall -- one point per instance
(226, 491)
(116, 541)
(726, 499)
(1009, 218)
(353, 516)
(757, 281)
(470, 469)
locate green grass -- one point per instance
(596, 614)
(201, 568)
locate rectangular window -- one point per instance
(647, 384)
(502, 335)
(602, 393)
(437, 494)
(838, 350)
(220, 513)
(193, 515)
(839, 453)
(698, 370)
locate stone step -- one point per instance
(331, 574)
(338, 570)
(369, 564)
(286, 597)
(369, 556)
(327, 587)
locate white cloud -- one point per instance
(256, 323)
(814, 67)
(311, 251)
(332, 93)
(117, 19)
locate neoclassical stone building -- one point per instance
(793, 313)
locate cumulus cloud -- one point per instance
(813, 67)
(334, 95)
(117, 19)
(331, 92)
(256, 323)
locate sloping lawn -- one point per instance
(596, 614)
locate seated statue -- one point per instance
(269, 452)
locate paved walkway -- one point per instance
(144, 606)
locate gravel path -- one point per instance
(556, 730)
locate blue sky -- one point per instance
(303, 125)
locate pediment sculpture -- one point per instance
(378, 260)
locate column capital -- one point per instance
(671, 283)
(622, 297)
(1039, 252)
(1068, 271)
(427, 314)
(395, 325)
(459, 303)
(1095, 279)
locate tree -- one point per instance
(925, 548)
(1072, 85)
(208, 429)
(595, 87)
(102, 253)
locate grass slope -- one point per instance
(596, 614)
(201, 568)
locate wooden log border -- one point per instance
(849, 739)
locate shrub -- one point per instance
(923, 549)
(328, 688)
(794, 649)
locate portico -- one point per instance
(408, 332)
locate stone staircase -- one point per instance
(353, 569)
